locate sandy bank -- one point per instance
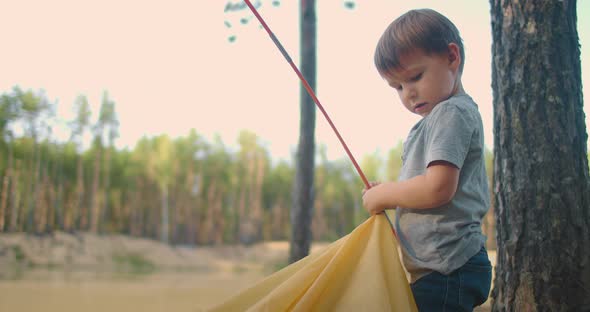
(123, 253)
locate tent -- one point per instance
(359, 272)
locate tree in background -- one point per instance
(8, 114)
(33, 108)
(303, 187)
(110, 126)
(541, 184)
(162, 169)
(79, 126)
(303, 194)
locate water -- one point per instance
(51, 290)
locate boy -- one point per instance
(442, 193)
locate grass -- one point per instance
(18, 253)
(277, 266)
(133, 263)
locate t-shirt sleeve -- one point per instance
(448, 135)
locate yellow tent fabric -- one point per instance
(359, 272)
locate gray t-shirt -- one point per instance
(443, 238)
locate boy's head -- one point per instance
(421, 55)
(425, 30)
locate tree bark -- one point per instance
(257, 214)
(165, 223)
(81, 210)
(541, 184)
(95, 204)
(107, 179)
(15, 203)
(304, 172)
(5, 186)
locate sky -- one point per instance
(170, 67)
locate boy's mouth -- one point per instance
(418, 107)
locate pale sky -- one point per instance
(169, 66)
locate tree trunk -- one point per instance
(15, 202)
(319, 225)
(31, 196)
(50, 199)
(80, 208)
(5, 187)
(69, 207)
(258, 212)
(107, 181)
(209, 222)
(136, 226)
(41, 209)
(278, 225)
(95, 205)
(164, 228)
(541, 184)
(218, 217)
(241, 211)
(35, 212)
(58, 193)
(304, 188)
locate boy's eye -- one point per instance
(417, 77)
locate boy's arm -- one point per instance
(432, 189)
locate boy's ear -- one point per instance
(454, 56)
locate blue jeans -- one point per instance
(463, 289)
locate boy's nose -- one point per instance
(409, 94)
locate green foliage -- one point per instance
(372, 167)
(394, 162)
(213, 191)
(489, 159)
(19, 255)
(349, 4)
(8, 111)
(133, 263)
(82, 120)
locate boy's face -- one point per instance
(424, 80)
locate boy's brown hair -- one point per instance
(423, 29)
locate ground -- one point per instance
(87, 272)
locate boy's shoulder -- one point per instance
(458, 106)
(458, 111)
(461, 102)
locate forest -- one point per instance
(184, 191)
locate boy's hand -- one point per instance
(372, 199)
(372, 183)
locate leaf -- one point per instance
(276, 3)
(231, 38)
(227, 24)
(349, 4)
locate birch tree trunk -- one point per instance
(541, 184)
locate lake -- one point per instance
(53, 291)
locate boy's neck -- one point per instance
(457, 90)
(458, 87)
